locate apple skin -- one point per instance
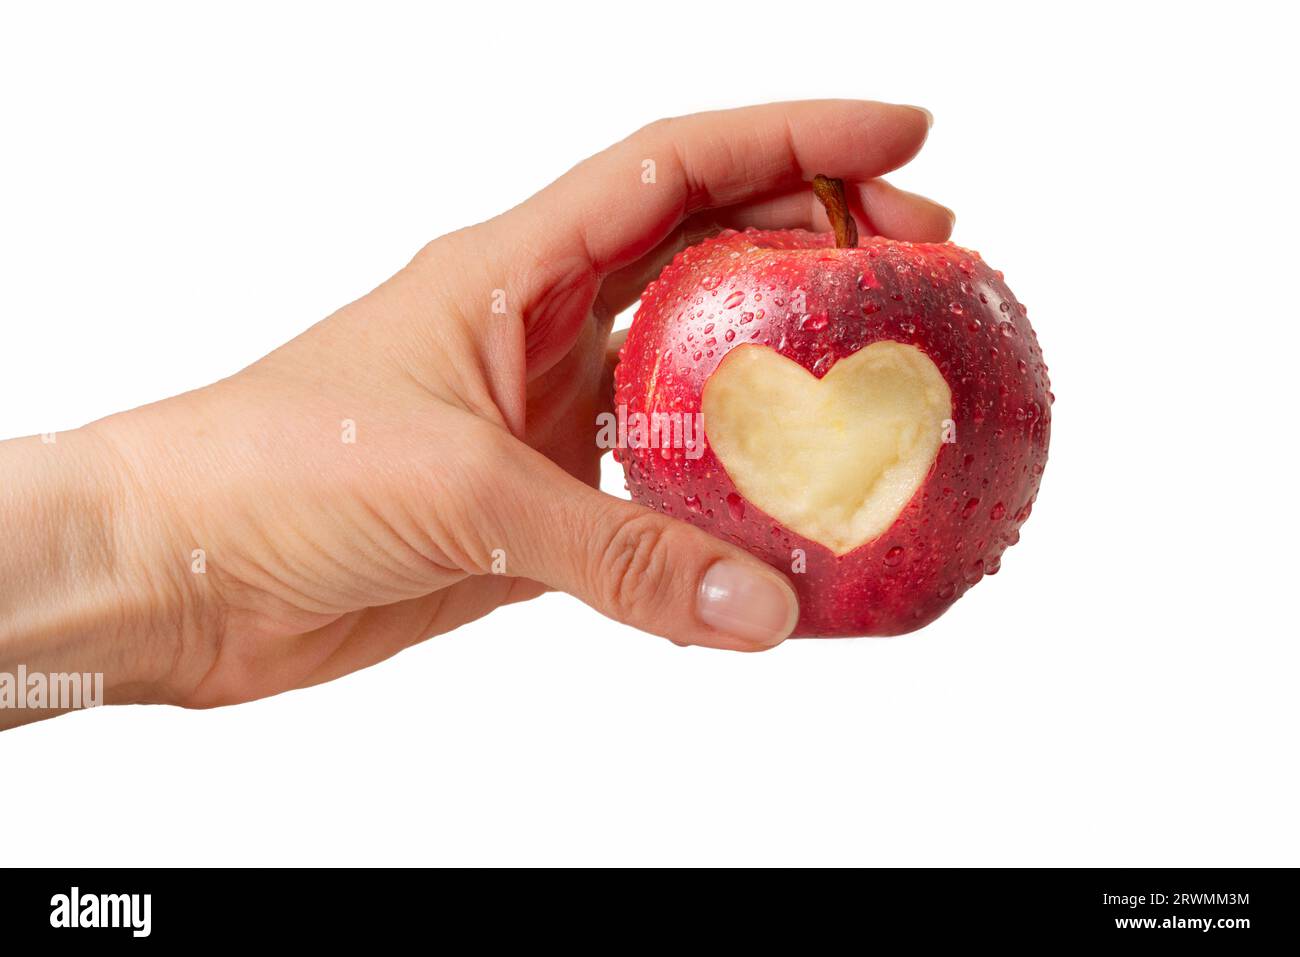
(741, 287)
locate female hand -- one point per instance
(426, 453)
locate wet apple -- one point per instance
(875, 413)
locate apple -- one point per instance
(874, 414)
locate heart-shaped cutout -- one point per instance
(834, 459)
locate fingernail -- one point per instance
(747, 603)
(929, 117)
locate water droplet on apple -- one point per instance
(711, 282)
(947, 591)
(735, 506)
(693, 502)
(997, 511)
(734, 300)
(870, 307)
(708, 328)
(955, 308)
(969, 509)
(1007, 329)
(975, 572)
(894, 557)
(973, 325)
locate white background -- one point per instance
(182, 191)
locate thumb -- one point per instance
(635, 565)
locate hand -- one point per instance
(420, 457)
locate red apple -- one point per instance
(875, 414)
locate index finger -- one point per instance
(619, 204)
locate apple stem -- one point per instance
(831, 193)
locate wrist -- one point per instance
(80, 589)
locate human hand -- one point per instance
(420, 458)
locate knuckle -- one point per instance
(656, 133)
(661, 125)
(634, 566)
(473, 515)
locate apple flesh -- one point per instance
(852, 447)
(876, 416)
